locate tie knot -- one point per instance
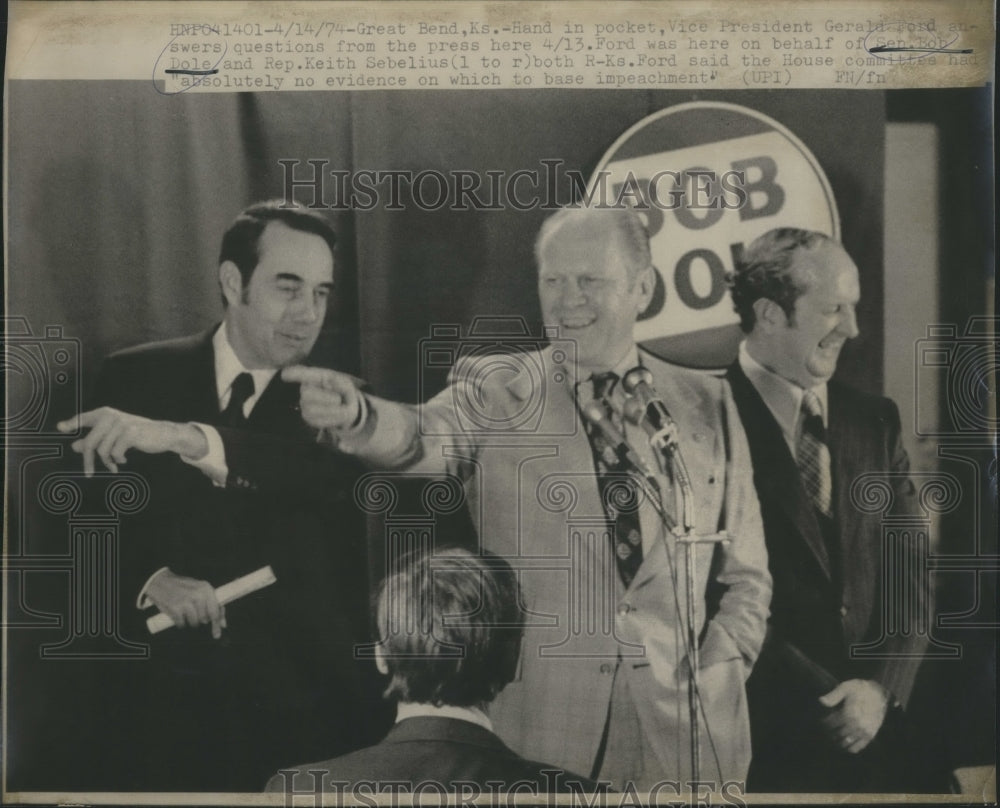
(604, 383)
(812, 415)
(811, 405)
(242, 389)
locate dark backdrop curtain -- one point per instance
(119, 196)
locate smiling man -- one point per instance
(592, 285)
(602, 685)
(231, 694)
(822, 718)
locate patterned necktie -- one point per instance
(619, 493)
(242, 389)
(813, 456)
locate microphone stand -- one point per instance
(663, 439)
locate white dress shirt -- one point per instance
(782, 397)
(227, 368)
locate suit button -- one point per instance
(607, 668)
(843, 610)
(624, 608)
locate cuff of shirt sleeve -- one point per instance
(353, 438)
(213, 464)
(143, 601)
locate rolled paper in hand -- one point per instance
(224, 594)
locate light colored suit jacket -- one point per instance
(510, 428)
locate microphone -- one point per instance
(656, 419)
(633, 411)
(594, 412)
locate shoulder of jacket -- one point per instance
(516, 375)
(709, 383)
(857, 401)
(161, 349)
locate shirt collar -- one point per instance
(625, 364)
(228, 367)
(782, 397)
(408, 709)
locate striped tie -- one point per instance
(813, 456)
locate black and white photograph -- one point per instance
(499, 402)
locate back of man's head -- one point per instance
(450, 627)
(241, 239)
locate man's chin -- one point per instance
(594, 364)
(294, 352)
(293, 358)
(821, 375)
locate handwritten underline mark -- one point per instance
(888, 49)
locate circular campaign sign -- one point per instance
(708, 178)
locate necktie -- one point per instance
(619, 493)
(813, 456)
(242, 389)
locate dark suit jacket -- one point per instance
(282, 681)
(457, 755)
(823, 606)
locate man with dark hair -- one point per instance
(822, 717)
(241, 240)
(603, 686)
(449, 626)
(235, 692)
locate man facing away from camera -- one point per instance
(238, 484)
(449, 631)
(824, 714)
(602, 687)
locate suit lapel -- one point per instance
(274, 409)
(696, 436)
(845, 449)
(274, 404)
(565, 456)
(776, 474)
(684, 406)
(576, 458)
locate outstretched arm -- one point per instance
(383, 434)
(111, 433)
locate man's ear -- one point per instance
(231, 281)
(769, 314)
(380, 662)
(647, 285)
